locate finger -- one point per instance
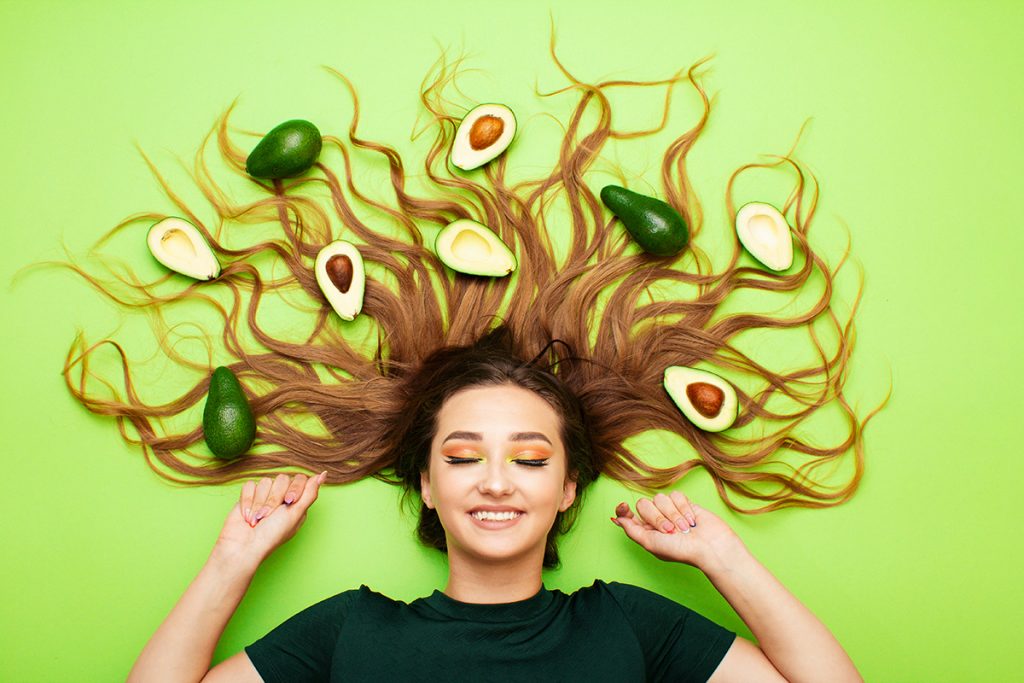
(275, 497)
(295, 488)
(248, 492)
(622, 510)
(310, 492)
(667, 506)
(260, 499)
(635, 530)
(652, 515)
(688, 509)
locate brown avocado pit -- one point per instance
(706, 398)
(485, 132)
(340, 270)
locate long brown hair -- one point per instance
(326, 399)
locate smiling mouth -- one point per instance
(484, 516)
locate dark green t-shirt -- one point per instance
(605, 632)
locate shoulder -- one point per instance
(647, 612)
(625, 595)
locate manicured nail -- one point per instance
(289, 499)
(667, 527)
(615, 521)
(686, 530)
(681, 524)
(262, 513)
(248, 511)
(691, 519)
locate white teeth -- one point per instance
(495, 516)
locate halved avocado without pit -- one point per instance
(707, 400)
(764, 232)
(180, 246)
(469, 247)
(342, 279)
(485, 132)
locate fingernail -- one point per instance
(681, 524)
(323, 476)
(248, 511)
(615, 521)
(691, 519)
(686, 530)
(667, 527)
(289, 499)
(262, 513)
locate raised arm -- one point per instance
(267, 515)
(793, 644)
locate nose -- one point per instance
(495, 479)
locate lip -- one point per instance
(496, 524)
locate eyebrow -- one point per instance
(514, 436)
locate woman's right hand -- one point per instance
(268, 513)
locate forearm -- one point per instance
(798, 644)
(182, 648)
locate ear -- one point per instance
(568, 495)
(425, 489)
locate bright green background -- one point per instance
(914, 134)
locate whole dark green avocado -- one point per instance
(656, 226)
(229, 426)
(289, 150)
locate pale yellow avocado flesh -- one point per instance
(180, 246)
(764, 232)
(469, 247)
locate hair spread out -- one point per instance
(324, 400)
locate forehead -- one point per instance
(498, 408)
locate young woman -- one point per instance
(499, 452)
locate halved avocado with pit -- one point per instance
(485, 132)
(469, 247)
(342, 278)
(707, 400)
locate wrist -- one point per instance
(233, 561)
(726, 556)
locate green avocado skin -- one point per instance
(656, 226)
(287, 151)
(229, 426)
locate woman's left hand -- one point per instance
(672, 528)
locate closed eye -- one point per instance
(452, 460)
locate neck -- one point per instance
(490, 582)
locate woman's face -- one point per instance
(497, 473)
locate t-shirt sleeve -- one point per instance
(678, 643)
(301, 649)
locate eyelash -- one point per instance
(451, 460)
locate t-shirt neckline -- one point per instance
(520, 610)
